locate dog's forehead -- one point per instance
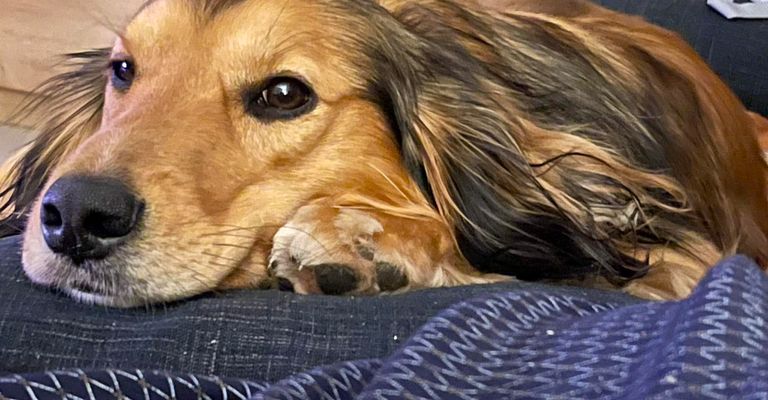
(245, 28)
(260, 16)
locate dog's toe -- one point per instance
(327, 278)
(389, 277)
(285, 285)
(336, 279)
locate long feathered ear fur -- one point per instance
(548, 157)
(70, 107)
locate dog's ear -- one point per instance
(441, 76)
(67, 109)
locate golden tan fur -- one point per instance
(234, 202)
(761, 124)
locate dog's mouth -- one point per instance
(91, 293)
(91, 282)
(92, 288)
(87, 288)
(97, 298)
(125, 281)
(98, 289)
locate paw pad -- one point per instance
(335, 279)
(284, 285)
(390, 277)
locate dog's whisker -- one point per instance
(231, 245)
(228, 235)
(220, 257)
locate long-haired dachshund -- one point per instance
(362, 146)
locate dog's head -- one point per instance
(191, 141)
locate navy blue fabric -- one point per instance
(124, 384)
(525, 344)
(535, 345)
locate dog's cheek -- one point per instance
(251, 273)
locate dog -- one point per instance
(360, 147)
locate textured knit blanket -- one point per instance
(519, 344)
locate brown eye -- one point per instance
(279, 99)
(288, 94)
(123, 74)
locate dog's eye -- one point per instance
(279, 99)
(288, 94)
(123, 73)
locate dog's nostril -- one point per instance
(51, 216)
(106, 226)
(110, 226)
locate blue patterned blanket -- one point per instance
(520, 344)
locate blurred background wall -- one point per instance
(33, 34)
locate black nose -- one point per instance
(86, 217)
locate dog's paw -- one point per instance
(341, 251)
(332, 251)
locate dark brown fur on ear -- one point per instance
(558, 150)
(70, 107)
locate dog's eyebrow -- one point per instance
(213, 7)
(209, 8)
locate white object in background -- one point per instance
(730, 9)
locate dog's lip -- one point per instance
(94, 298)
(86, 288)
(89, 297)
